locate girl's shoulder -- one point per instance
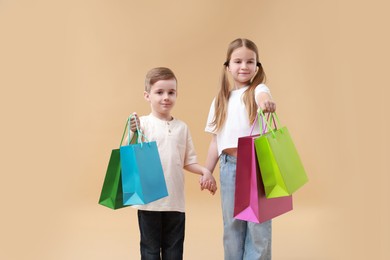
(261, 88)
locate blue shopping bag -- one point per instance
(143, 178)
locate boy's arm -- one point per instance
(196, 168)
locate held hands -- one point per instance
(134, 121)
(207, 181)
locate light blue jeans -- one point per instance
(242, 240)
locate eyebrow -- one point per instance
(160, 89)
(243, 59)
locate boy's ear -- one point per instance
(146, 96)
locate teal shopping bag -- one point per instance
(143, 178)
(281, 168)
(111, 194)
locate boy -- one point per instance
(162, 222)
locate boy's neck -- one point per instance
(164, 117)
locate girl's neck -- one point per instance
(240, 85)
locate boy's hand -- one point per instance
(207, 181)
(134, 121)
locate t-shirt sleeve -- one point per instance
(210, 128)
(190, 156)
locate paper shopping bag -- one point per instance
(280, 165)
(250, 202)
(111, 195)
(143, 178)
(142, 174)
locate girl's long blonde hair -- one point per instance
(222, 98)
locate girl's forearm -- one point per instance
(212, 155)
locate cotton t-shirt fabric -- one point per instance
(237, 120)
(176, 150)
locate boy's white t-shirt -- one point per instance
(176, 150)
(237, 120)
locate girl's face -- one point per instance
(242, 66)
(162, 98)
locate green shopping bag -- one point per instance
(112, 194)
(280, 165)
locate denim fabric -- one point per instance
(162, 234)
(242, 240)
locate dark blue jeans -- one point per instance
(162, 234)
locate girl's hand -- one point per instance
(265, 103)
(267, 106)
(134, 121)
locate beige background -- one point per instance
(72, 71)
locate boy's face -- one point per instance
(162, 98)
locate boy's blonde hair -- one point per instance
(156, 74)
(224, 92)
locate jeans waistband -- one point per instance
(224, 157)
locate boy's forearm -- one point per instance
(194, 168)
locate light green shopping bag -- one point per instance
(280, 165)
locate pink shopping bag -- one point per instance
(250, 202)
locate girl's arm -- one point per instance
(265, 102)
(212, 155)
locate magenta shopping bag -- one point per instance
(250, 203)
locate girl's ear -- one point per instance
(146, 96)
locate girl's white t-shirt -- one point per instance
(237, 120)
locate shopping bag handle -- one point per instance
(271, 117)
(262, 126)
(138, 132)
(124, 132)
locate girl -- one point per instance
(231, 115)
